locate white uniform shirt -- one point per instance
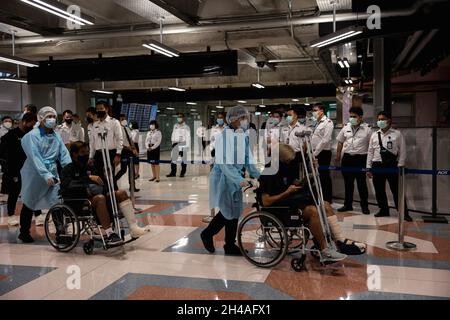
(153, 139)
(392, 140)
(90, 128)
(114, 136)
(321, 137)
(215, 132)
(289, 137)
(201, 132)
(70, 134)
(135, 135)
(355, 140)
(181, 134)
(127, 137)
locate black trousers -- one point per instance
(14, 187)
(124, 164)
(173, 166)
(100, 166)
(217, 224)
(324, 159)
(359, 161)
(379, 183)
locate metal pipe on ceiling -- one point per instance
(221, 27)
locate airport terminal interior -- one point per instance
(329, 82)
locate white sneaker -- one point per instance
(39, 220)
(13, 221)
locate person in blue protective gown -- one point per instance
(40, 180)
(233, 155)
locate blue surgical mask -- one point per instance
(353, 121)
(289, 119)
(244, 124)
(275, 121)
(50, 123)
(382, 124)
(180, 120)
(220, 122)
(315, 115)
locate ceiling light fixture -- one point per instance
(295, 100)
(341, 63)
(170, 108)
(162, 49)
(13, 80)
(103, 92)
(346, 63)
(307, 102)
(258, 85)
(17, 60)
(57, 12)
(337, 36)
(177, 89)
(191, 103)
(242, 101)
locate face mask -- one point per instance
(180, 120)
(275, 121)
(50, 123)
(152, 127)
(124, 123)
(89, 120)
(101, 114)
(353, 121)
(244, 124)
(8, 125)
(302, 121)
(289, 119)
(382, 124)
(69, 121)
(316, 115)
(220, 122)
(83, 159)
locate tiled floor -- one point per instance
(170, 262)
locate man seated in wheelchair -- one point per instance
(79, 181)
(283, 190)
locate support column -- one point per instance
(382, 76)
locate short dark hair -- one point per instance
(91, 110)
(104, 103)
(181, 114)
(77, 146)
(6, 118)
(224, 114)
(135, 125)
(299, 111)
(278, 111)
(28, 117)
(320, 106)
(122, 115)
(67, 111)
(31, 107)
(155, 123)
(385, 113)
(356, 110)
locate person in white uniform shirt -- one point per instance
(181, 139)
(354, 139)
(392, 143)
(135, 137)
(69, 131)
(7, 124)
(321, 144)
(91, 117)
(114, 140)
(216, 131)
(153, 144)
(296, 119)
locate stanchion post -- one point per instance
(401, 245)
(131, 178)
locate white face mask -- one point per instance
(7, 125)
(152, 127)
(124, 123)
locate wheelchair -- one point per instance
(74, 219)
(267, 235)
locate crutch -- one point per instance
(110, 179)
(305, 137)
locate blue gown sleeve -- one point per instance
(30, 144)
(249, 161)
(64, 155)
(232, 173)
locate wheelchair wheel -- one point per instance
(62, 228)
(254, 238)
(298, 264)
(88, 247)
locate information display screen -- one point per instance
(141, 113)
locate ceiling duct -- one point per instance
(149, 11)
(327, 5)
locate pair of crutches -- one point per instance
(312, 172)
(107, 166)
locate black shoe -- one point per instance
(382, 214)
(408, 218)
(114, 240)
(181, 175)
(152, 179)
(208, 242)
(365, 211)
(171, 175)
(26, 238)
(345, 209)
(232, 250)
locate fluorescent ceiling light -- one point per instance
(341, 64)
(103, 91)
(295, 100)
(213, 111)
(170, 108)
(57, 12)
(258, 85)
(337, 36)
(262, 106)
(242, 101)
(162, 49)
(257, 113)
(17, 60)
(13, 80)
(307, 103)
(194, 110)
(350, 81)
(346, 81)
(346, 63)
(191, 103)
(219, 107)
(177, 89)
